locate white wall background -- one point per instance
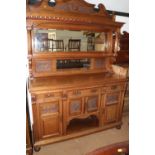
(125, 20)
(116, 5)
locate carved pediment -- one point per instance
(77, 6)
(74, 6)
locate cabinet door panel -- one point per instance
(92, 103)
(111, 102)
(111, 113)
(75, 106)
(49, 108)
(50, 126)
(50, 118)
(112, 98)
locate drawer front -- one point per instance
(47, 97)
(83, 92)
(113, 88)
(75, 93)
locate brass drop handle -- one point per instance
(94, 90)
(77, 92)
(33, 98)
(114, 87)
(49, 95)
(64, 96)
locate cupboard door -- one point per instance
(50, 119)
(111, 113)
(75, 106)
(111, 102)
(92, 103)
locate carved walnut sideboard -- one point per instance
(74, 91)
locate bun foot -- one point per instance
(37, 148)
(118, 127)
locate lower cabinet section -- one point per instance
(73, 113)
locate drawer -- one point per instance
(75, 93)
(113, 88)
(83, 92)
(47, 97)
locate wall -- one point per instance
(116, 5)
(125, 20)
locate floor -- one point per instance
(85, 144)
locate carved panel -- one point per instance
(75, 106)
(43, 66)
(78, 6)
(99, 63)
(92, 103)
(49, 108)
(112, 98)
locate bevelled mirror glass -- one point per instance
(52, 40)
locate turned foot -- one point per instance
(37, 148)
(118, 127)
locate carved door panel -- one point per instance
(50, 119)
(75, 106)
(92, 103)
(111, 102)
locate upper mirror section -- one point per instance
(52, 40)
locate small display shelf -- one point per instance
(77, 125)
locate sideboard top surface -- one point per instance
(74, 81)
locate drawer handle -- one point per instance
(94, 90)
(114, 87)
(64, 96)
(76, 92)
(33, 98)
(49, 95)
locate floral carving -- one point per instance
(43, 66)
(112, 98)
(78, 6)
(92, 103)
(75, 106)
(53, 108)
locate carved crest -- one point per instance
(76, 6)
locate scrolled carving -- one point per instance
(43, 66)
(74, 6)
(112, 98)
(76, 92)
(92, 103)
(102, 10)
(75, 106)
(33, 98)
(49, 109)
